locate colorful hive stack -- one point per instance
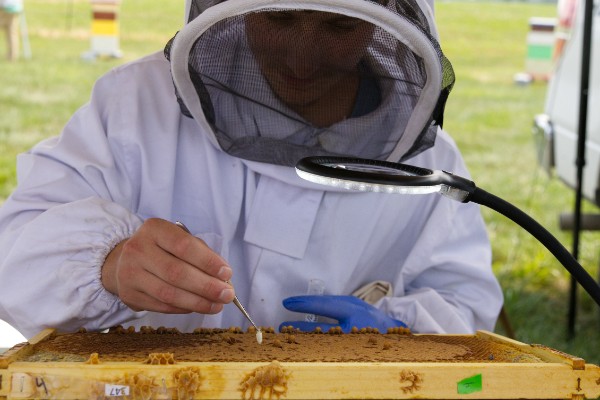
(105, 29)
(540, 47)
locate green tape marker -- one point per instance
(470, 385)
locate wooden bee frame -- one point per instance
(175, 366)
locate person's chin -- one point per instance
(298, 95)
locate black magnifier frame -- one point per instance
(368, 175)
(384, 176)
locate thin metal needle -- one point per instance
(236, 301)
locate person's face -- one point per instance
(308, 55)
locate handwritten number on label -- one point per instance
(116, 390)
(39, 382)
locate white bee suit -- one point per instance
(130, 154)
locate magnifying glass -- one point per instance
(387, 177)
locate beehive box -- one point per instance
(212, 364)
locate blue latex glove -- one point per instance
(349, 311)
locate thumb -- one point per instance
(331, 306)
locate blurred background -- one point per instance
(490, 114)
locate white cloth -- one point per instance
(11, 6)
(130, 154)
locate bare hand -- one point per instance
(162, 268)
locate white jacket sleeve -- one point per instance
(449, 284)
(69, 210)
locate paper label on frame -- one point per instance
(116, 390)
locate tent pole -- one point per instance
(580, 160)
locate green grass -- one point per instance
(489, 116)
(37, 96)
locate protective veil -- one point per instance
(275, 83)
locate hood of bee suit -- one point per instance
(193, 8)
(231, 67)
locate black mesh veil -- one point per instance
(274, 82)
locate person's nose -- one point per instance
(304, 56)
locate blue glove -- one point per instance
(350, 312)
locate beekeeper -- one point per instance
(208, 134)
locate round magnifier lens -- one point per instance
(370, 169)
(368, 175)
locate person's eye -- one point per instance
(279, 16)
(345, 25)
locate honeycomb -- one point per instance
(94, 359)
(188, 381)
(227, 345)
(160, 359)
(266, 382)
(141, 386)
